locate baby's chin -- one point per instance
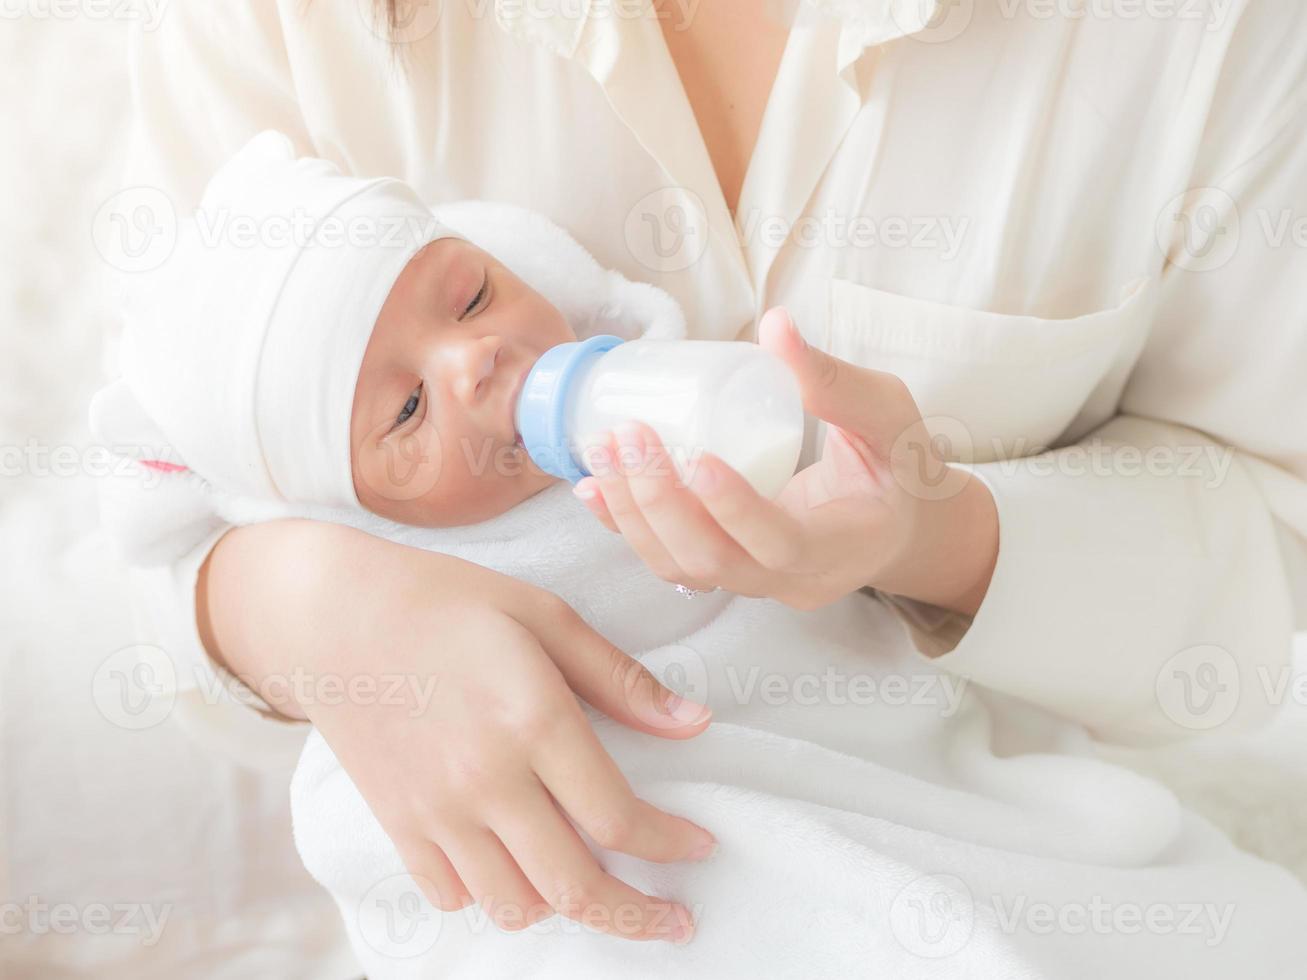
(472, 505)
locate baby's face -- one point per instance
(433, 440)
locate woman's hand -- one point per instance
(880, 508)
(480, 753)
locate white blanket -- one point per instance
(875, 816)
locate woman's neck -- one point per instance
(727, 53)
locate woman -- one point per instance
(986, 205)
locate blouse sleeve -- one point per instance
(1156, 597)
(204, 79)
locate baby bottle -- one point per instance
(732, 399)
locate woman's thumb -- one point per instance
(833, 390)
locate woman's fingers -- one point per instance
(607, 678)
(611, 469)
(582, 777)
(853, 397)
(562, 869)
(771, 536)
(588, 492)
(496, 879)
(696, 543)
(434, 874)
(716, 532)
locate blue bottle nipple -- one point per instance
(541, 412)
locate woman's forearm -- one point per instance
(258, 581)
(278, 600)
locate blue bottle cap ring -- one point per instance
(541, 407)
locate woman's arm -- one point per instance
(204, 79)
(474, 764)
(486, 762)
(1156, 597)
(1150, 598)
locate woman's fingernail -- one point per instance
(600, 459)
(792, 329)
(683, 930)
(704, 479)
(683, 711)
(630, 443)
(704, 851)
(585, 490)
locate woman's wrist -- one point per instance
(951, 550)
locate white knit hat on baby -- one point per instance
(249, 349)
(240, 356)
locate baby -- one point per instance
(329, 340)
(874, 815)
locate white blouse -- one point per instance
(1077, 231)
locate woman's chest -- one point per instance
(979, 213)
(726, 55)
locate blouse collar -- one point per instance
(558, 25)
(620, 44)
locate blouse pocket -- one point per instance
(992, 385)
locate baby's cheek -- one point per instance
(402, 467)
(479, 479)
(432, 479)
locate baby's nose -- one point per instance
(476, 361)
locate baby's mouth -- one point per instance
(514, 395)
